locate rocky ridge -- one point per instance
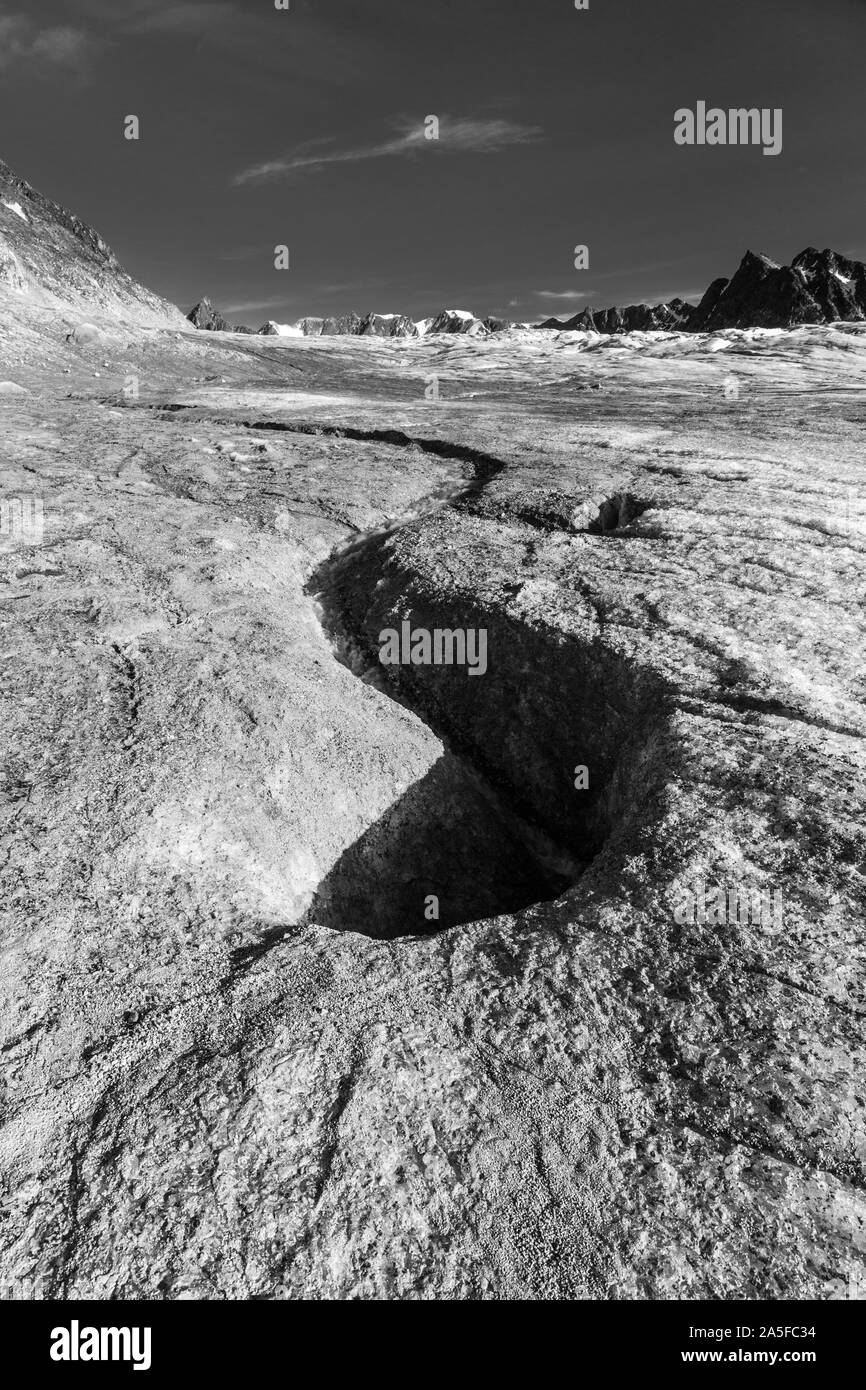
(818, 287)
(641, 318)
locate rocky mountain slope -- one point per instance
(817, 287)
(52, 260)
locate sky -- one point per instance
(305, 127)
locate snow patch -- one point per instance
(285, 330)
(17, 209)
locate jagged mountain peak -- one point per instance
(203, 315)
(817, 287)
(758, 259)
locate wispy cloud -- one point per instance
(457, 135)
(324, 48)
(158, 16)
(565, 294)
(28, 50)
(248, 305)
(196, 16)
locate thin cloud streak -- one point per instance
(565, 294)
(178, 19)
(460, 136)
(249, 305)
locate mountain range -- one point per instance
(51, 260)
(817, 287)
(371, 325)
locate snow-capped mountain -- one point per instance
(370, 325)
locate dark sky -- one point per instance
(304, 127)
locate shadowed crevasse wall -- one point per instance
(498, 823)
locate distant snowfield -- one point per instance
(285, 330)
(422, 326)
(726, 340)
(657, 342)
(17, 209)
(730, 365)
